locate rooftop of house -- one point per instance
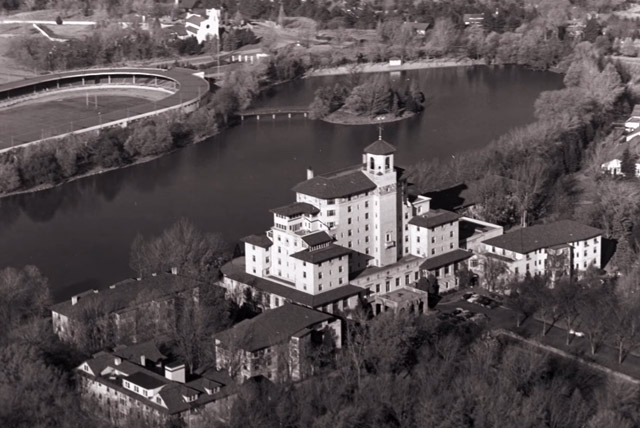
(195, 19)
(404, 294)
(127, 294)
(110, 369)
(146, 381)
(380, 147)
(261, 241)
(150, 350)
(272, 327)
(321, 255)
(296, 208)
(532, 238)
(317, 238)
(434, 218)
(338, 184)
(446, 259)
(236, 270)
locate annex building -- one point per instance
(140, 383)
(560, 248)
(349, 234)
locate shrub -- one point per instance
(59, 20)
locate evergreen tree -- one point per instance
(628, 164)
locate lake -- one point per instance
(79, 234)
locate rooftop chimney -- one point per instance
(143, 360)
(175, 372)
(117, 361)
(74, 299)
(309, 173)
(174, 270)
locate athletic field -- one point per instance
(59, 113)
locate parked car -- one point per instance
(474, 298)
(479, 318)
(466, 296)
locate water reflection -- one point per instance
(79, 234)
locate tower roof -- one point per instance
(380, 147)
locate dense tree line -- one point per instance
(56, 161)
(411, 371)
(530, 173)
(36, 386)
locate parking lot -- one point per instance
(470, 304)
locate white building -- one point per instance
(140, 383)
(562, 247)
(614, 167)
(203, 27)
(350, 233)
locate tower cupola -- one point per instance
(378, 157)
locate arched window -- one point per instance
(371, 163)
(387, 162)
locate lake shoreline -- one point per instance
(348, 119)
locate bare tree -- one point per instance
(494, 271)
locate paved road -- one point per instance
(505, 318)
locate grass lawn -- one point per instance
(55, 114)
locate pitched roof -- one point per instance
(128, 294)
(195, 20)
(272, 327)
(321, 255)
(336, 185)
(145, 381)
(296, 208)
(446, 259)
(261, 241)
(134, 352)
(532, 238)
(189, 4)
(434, 218)
(317, 238)
(380, 147)
(235, 270)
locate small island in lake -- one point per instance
(363, 102)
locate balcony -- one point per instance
(390, 244)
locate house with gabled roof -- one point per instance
(139, 382)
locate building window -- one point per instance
(451, 234)
(331, 202)
(304, 274)
(253, 258)
(349, 232)
(340, 281)
(349, 220)
(397, 282)
(349, 209)
(366, 227)
(446, 270)
(418, 239)
(377, 288)
(387, 286)
(451, 245)
(366, 204)
(319, 286)
(331, 213)
(340, 269)
(349, 244)
(319, 275)
(417, 275)
(433, 251)
(366, 216)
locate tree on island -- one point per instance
(369, 98)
